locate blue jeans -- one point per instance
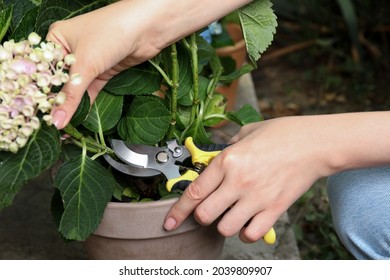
(360, 206)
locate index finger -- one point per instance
(195, 193)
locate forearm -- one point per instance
(351, 140)
(170, 20)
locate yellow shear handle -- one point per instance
(189, 175)
(270, 237)
(197, 155)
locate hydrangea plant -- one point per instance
(171, 96)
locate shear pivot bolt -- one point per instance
(162, 157)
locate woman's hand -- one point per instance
(123, 34)
(104, 45)
(269, 166)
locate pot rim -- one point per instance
(146, 204)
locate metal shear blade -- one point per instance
(143, 159)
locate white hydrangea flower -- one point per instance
(28, 71)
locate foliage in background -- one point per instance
(365, 23)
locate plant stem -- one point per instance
(92, 145)
(84, 145)
(194, 63)
(217, 72)
(80, 145)
(162, 72)
(175, 89)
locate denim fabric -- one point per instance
(360, 206)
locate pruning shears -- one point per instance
(180, 164)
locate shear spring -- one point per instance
(199, 167)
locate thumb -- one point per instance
(81, 75)
(74, 89)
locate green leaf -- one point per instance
(247, 114)
(26, 25)
(258, 23)
(205, 52)
(105, 112)
(183, 117)
(5, 21)
(187, 99)
(349, 15)
(185, 72)
(70, 151)
(20, 9)
(198, 132)
(215, 110)
(146, 122)
(86, 187)
(137, 80)
(40, 153)
(246, 68)
(82, 110)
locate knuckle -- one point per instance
(178, 211)
(229, 159)
(53, 27)
(251, 237)
(194, 192)
(202, 216)
(225, 230)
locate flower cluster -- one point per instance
(29, 70)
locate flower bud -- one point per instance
(75, 79)
(21, 141)
(19, 120)
(28, 111)
(48, 55)
(43, 66)
(60, 98)
(43, 80)
(20, 48)
(64, 78)
(44, 106)
(36, 55)
(26, 131)
(70, 59)
(5, 54)
(13, 147)
(34, 122)
(6, 124)
(34, 38)
(48, 119)
(23, 66)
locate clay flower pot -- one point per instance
(135, 231)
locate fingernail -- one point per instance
(59, 118)
(170, 224)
